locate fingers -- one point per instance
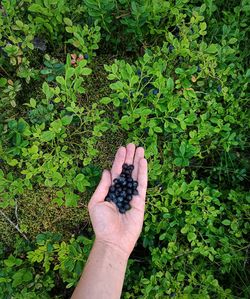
(130, 153)
(139, 154)
(118, 162)
(101, 190)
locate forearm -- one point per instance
(103, 274)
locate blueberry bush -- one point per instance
(80, 78)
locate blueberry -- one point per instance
(86, 56)
(122, 210)
(125, 166)
(219, 88)
(129, 191)
(129, 197)
(130, 180)
(127, 207)
(121, 179)
(171, 48)
(107, 199)
(150, 86)
(155, 91)
(115, 200)
(125, 100)
(198, 69)
(117, 185)
(135, 192)
(119, 204)
(123, 194)
(117, 193)
(145, 80)
(112, 196)
(119, 199)
(138, 72)
(115, 181)
(145, 94)
(129, 185)
(146, 130)
(135, 184)
(122, 175)
(112, 189)
(119, 189)
(131, 167)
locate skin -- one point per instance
(115, 234)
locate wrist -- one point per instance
(114, 249)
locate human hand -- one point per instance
(117, 230)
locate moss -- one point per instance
(37, 213)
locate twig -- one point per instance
(14, 225)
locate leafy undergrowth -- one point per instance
(80, 79)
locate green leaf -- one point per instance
(170, 84)
(67, 119)
(86, 71)
(47, 136)
(211, 49)
(191, 236)
(67, 21)
(105, 100)
(226, 222)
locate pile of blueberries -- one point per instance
(123, 189)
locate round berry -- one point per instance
(135, 192)
(129, 197)
(119, 199)
(129, 185)
(112, 189)
(129, 191)
(135, 184)
(127, 207)
(122, 210)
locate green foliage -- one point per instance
(31, 270)
(179, 76)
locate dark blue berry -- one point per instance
(138, 72)
(119, 199)
(145, 80)
(135, 184)
(198, 69)
(112, 196)
(146, 130)
(125, 100)
(155, 91)
(150, 86)
(135, 192)
(131, 167)
(119, 204)
(130, 180)
(129, 185)
(86, 56)
(129, 191)
(219, 88)
(115, 181)
(145, 94)
(129, 197)
(122, 210)
(107, 199)
(127, 207)
(171, 48)
(123, 194)
(112, 189)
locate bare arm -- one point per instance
(116, 233)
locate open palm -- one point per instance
(110, 226)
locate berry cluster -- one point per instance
(123, 189)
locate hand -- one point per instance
(120, 231)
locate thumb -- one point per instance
(102, 189)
